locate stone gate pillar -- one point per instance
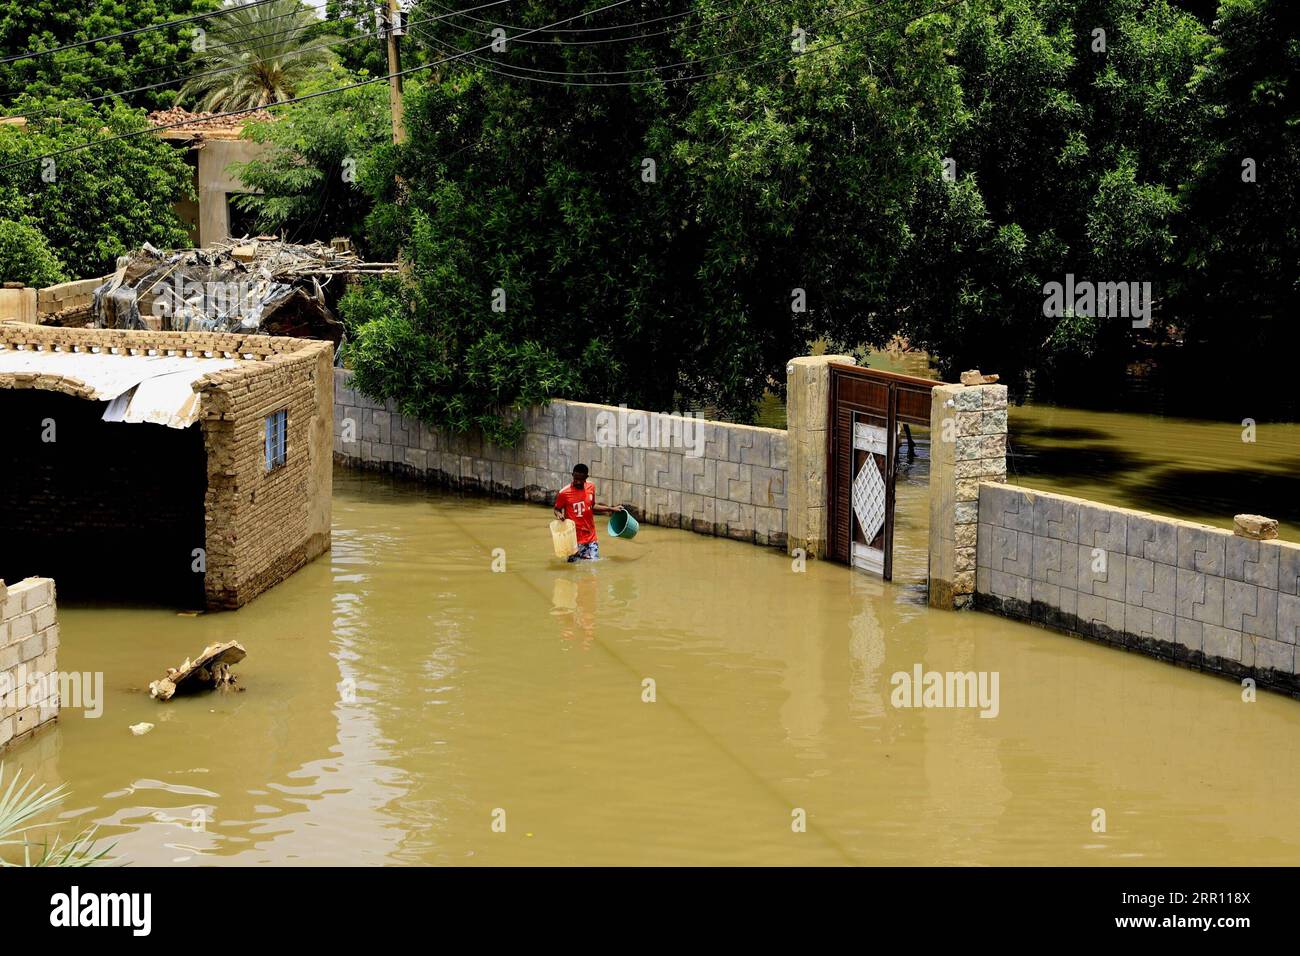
(968, 444)
(808, 427)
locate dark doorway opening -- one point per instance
(111, 511)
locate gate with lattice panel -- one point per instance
(867, 408)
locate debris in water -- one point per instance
(209, 670)
(141, 729)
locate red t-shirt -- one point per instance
(580, 505)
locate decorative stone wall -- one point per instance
(260, 526)
(735, 488)
(1172, 589)
(29, 644)
(808, 422)
(968, 444)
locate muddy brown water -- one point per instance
(522, 691)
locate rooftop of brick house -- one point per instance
(144, 376)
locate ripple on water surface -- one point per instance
(399, 692)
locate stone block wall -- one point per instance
(736, 488)
(968, 444)
(29, 643)
(1172, 589)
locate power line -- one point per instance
(295, 99)
(487, 64)
(641, 69)
(645, 69)
(127, 33)
(617, 26)
(424, 66)
(604, 40)
(219, 46)
(226, 69)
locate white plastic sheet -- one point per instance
(137, 388)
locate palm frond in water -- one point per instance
(24, 801)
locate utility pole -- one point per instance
(396, 22)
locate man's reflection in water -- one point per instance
(574, 603)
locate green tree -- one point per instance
(1239, 242)
(356, 18)
(145, 59)
(1077, 137)
(644, 242)
(311, 181)
(258, 55)
(923, 169)
(93, 204)
(26, 256)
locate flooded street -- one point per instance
(522, 691)
(1199, 470)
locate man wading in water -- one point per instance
(577, 501)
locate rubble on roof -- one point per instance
(246, 285)
(178, 123)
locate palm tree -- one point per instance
(257, 55)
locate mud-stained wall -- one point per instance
(29, 646)
(1173, 589)
(734, 487)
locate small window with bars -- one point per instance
(277, 426)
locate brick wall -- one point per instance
(263, 525)
(29, 643)
(260, 526)
(1172, 589)
(68, 303)
(736, 488)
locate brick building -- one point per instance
(188, 469)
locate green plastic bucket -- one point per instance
(623, 525)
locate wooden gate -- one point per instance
(867, 407)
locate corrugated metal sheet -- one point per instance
(137, 388)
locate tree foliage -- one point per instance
(254, 56)
(26, 256)
(578, 224)
(1239, 281)
(310, 183)
(93, 205)
(145, 59)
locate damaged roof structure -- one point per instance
(136, 388)
(251, 285)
